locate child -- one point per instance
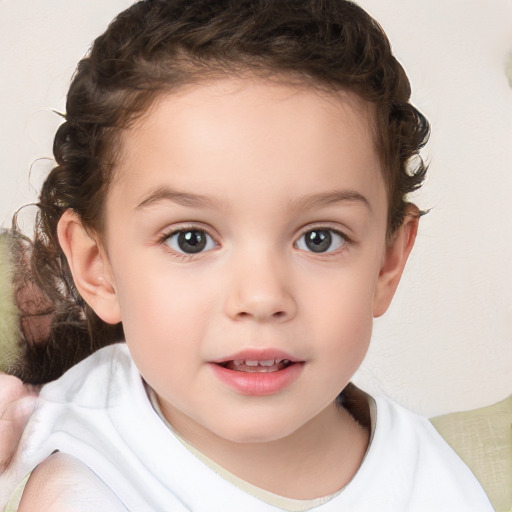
(231, 188)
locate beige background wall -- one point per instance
(446, 343)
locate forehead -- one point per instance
(211, 137)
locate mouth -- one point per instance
(256, 366)
(258, 373)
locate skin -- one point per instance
(17, 402)
(271, 163)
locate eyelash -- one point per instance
(166, 236)
(346, 241)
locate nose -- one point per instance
(260, 290)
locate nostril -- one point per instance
(278, 315)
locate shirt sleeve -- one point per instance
(65, 483)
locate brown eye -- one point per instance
(190, 241)
(321, 240)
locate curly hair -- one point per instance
(157, 46)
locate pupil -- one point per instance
(192, 241)
(318, 241)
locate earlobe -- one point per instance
(395, 258)
(89, 267)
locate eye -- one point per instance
(190, 241)
(321, 240)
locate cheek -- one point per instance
(164, 315)
(341, 312)
(343, 337)
(347, 331)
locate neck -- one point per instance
(332, 439)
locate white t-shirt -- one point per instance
(99, 413)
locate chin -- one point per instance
(258, 431)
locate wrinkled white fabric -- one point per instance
(99, 413)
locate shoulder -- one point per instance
(409, 450)
(412, 436)
(61, 483)
(109, 369)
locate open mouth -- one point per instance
(253, 366)
(258, 374)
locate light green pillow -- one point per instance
(483, 440)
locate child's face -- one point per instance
(247, 222)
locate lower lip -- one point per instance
(258, 384)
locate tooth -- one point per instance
(268, 362)
(251, 363)
(238, 362)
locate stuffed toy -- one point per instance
(10, 329)
(26, 314)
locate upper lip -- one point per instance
(263, 354)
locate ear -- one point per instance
(89, 266)
(398, 248)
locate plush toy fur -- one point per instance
(9, 315)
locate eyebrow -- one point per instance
(164, 193)
(307, 202)
(323, 199)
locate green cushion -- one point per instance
(483, 440)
